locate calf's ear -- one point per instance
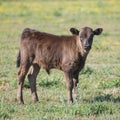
(98, 31)
(74, 31)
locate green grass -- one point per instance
(99, 82)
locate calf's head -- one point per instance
(86, 36)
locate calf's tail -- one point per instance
(18, 60)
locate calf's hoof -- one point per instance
(20, 102)
(70, 102)
(36, 101)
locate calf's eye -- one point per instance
(81, 38)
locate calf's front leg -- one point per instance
(69, 83)
(75, 82)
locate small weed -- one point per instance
(58, 12)
(87, 71)
(98, 108)
(110, 83)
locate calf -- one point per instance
(44, 50)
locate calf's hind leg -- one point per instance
(21, 77)
(32, 75)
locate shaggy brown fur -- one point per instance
(44, 50)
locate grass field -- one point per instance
(99, 82)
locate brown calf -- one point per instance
(44, 50)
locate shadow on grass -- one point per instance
(102, 98)
(107, 97)
(46, 84)
(49, 84)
